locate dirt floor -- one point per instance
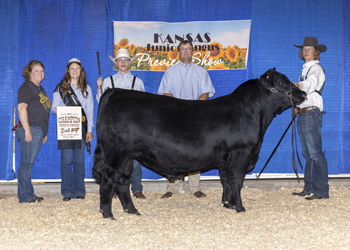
(274, 219)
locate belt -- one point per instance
(302, 111)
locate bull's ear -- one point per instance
(267, 79)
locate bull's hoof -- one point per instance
(101, 212)
(129, 212)
(229, 206)
(111, 218)
(108, 217)
(240, 210)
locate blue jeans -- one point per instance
(73, 172)
(29, 152)
(136, 177)
(316, 169)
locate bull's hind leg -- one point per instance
(236, 183)
(226, 188)
(106, 195)
(123, 188)
(234, 177)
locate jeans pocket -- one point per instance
(319, 117)
(20, 134)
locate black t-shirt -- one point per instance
(38, 102)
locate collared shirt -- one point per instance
(315, 80)
(122, 82)
(87, 103)
(187, 83)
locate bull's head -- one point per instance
(276, 82)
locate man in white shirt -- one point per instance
(187, 81)
(124, 80)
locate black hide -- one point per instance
(173, 137)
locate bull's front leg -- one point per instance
(106, 195)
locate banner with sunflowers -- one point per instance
(217, 45)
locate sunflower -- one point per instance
(217, 66)
(123, 43)
(115, 50)
(243, 53)
(132, 49)
(173, 55)
(232, 53)
(216, 50)
(157, 53)
(165, 52)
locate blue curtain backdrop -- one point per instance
(344, 109)
(53, 31)
(277, 26)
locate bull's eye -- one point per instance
(280, 83)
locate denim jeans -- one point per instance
(136, 177)
(73, 172)
(316, 169)
(29, 152)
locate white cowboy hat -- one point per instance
(122, 53)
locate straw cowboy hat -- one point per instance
(312, 41)
(122, 53)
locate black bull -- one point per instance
(174, 137)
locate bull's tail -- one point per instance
(99, 159)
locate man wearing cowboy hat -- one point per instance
(124, 80)
(310, 118)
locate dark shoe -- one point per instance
(302, 193)
(67, 198)
(167, 195)
(139, 195)
(33, 200)
(315, 197)
(199, 194)
(80, 197)
(36, 199)
(39, 199)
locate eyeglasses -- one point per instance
(186, 49)
(123, 60)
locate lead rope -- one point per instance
(293, 135)
(296, 150)
(273, 152)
